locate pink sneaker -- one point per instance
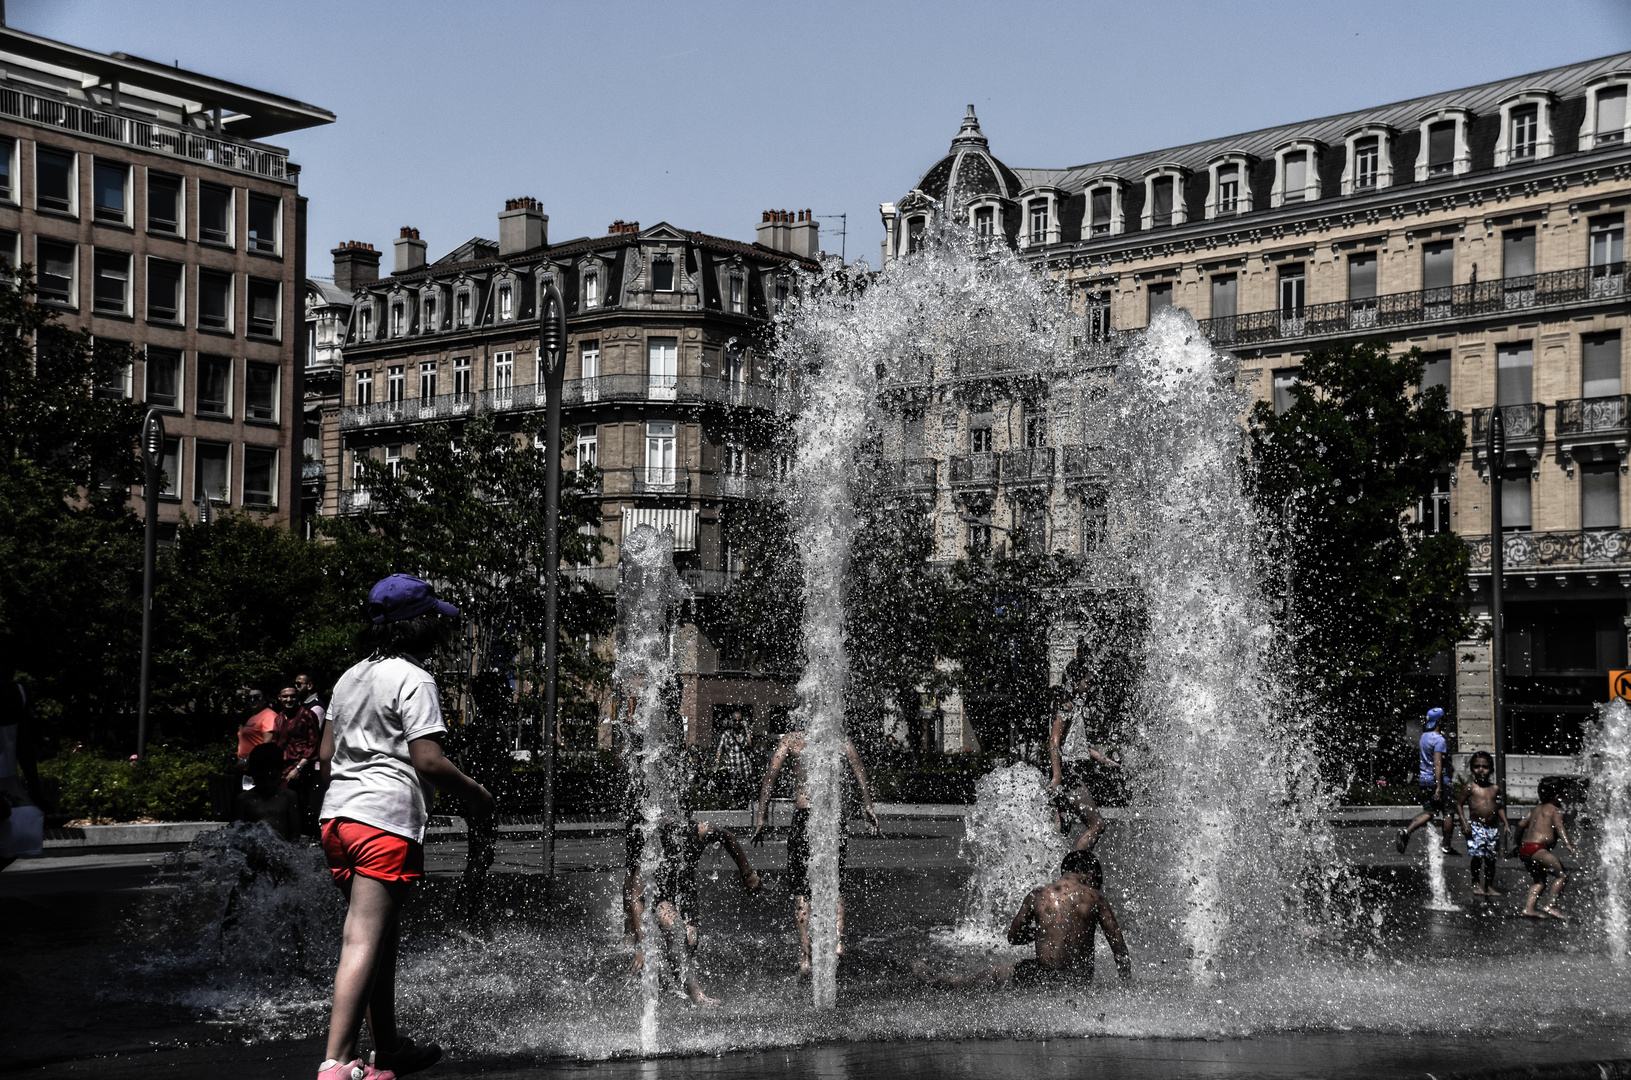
(352, 1070)
(374, 1072)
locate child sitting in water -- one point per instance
(268, 800)
(1482, 808)
(1538, 833)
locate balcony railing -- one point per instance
(354, 501)
(183, 143)
(1585, 549)
(1524, 423)
(709, 582)
(407, 411)
(974, 470)
(1082, 462)
(1033, 465)
(913, 476)
(658, 480)
(312, 472)
(1587, 417)
(1478, 298)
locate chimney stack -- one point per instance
(410, 251)
(791, 232)
(522, 226)
(355, 263)
(803, 238)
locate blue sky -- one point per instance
(705, 114)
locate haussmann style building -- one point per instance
(1485, 226)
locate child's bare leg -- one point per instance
(1476, 864)
(371, 911)
(382, 998)
(801, 918)
(1556, 891)
(1534, 895)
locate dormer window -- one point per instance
(662, 273)
(1296, 174)
(985, 222)
(1104, 211)
(1606, 114)
(1524, 132)
(461, 308)
(1444, 150)
(738, 287)
(399, 319)
(430, 314)
(781, 294)
(1367, 163)
(591, 289)
(1164, 198)
(914, 234)
(365, 322)
(1038, 216)
(1295, 188)
(1229, 189)
(1370, 162)
(1229, 192)
(506, 301)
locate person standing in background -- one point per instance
(258, 728)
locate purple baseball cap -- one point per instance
(402, 596)
(1433, 717)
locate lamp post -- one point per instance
(552, 345)
(1495, 454)
(152, 458)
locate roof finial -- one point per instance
(970, 130)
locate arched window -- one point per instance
(1608, 121)
(1444, 148)
(1229, 190)
(1164, 197)
(1296, 173)
(1369, 164)
(1103, 214)
(1526, 129)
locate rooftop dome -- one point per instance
(968, 171)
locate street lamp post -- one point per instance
(552, 346)
(1495, 455)
(152, 458)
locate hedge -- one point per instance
(171, 785)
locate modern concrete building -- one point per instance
(1484, 225)
(153, 216)
(667, 385)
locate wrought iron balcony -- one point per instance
(709, 582)
(1526, 552)
(145, 134)
(910, 476)
(658, 480)
(1525, 435)
(974, 470)
(1559, 288)
(1083, 463)
(1031, 467)
(1586, 429)
(405, 411)
(743, 486)
(312, 473)
(354, 500)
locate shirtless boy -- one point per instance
(1537, 835)
(1063, 919)
(683, 844)
(790, 753)
(1483, 819)
(1072, 760)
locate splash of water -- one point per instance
(648, 597)
(1011, 846)
(1608, 756)
(1218, 761)
(1436, 881)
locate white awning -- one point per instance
(683, 523)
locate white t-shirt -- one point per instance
(378, 707)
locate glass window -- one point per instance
(1518, 253)
(163, 291)
(8, 158)
(588, 446)
(53, 180)
(110, 181)
(214, 394)
(462, 302)
(461, 375)
(260, 476)
(8, 252)
(1160, 296)
(1606, 247)
(985, 221)
(1525, 132)
(170, 468)
(1611, 115)
(427, 379)
(737, 285)
(260, 391)
(662, 273)
(393, 460)
(263, 307)
(394, 383)
(163, 203)
(1436, 369)
(1367, 162)
(212, 469)
(1438, 264)
(54, 276)
(1599, 495)
(214, 300)
(1161, 201)
(1224, 295)
(365, 321)
(112, 286)
(1098, 314)
(979, 534)
(591, 359)
(1095, 518)
(979, 439)
(1600, 365)
(503, 370)
(1100, 204)
(662, 367)
(1515, 373)
(660, 440)
(1434, 511)
(365, 388)
(1362, 276)
(1441, 148)
(263, 223)
(506, 300)
(1516, 512)
(1292, 293)
(1229, 189)
(1284, 380)
(1295, 184)
(914, 238)
(214, 214)
(1039, 220)
(118, 356)
(163, 376)
(591, 289)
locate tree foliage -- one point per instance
(1368, 597)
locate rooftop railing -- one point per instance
(1424, 306)
(146, 135)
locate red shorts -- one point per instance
(355, 848)
(1527, 851)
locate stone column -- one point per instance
(1474, 693)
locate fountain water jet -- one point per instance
(1608, 756)
(1011, 845)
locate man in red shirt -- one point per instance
(297, 733)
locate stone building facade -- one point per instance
(1483, 225)
(153, 217)
(667, 385)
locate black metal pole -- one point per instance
(1495, 451)
(152, 457)
(552, 347)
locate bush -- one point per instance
(171, 785)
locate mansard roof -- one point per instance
(1569, 80)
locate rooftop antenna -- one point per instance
(843, 227)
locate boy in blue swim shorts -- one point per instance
(1482, 808)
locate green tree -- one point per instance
(70, 547)
(1367, 596)
(466, 512)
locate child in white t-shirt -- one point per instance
(381, 749)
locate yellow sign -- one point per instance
(1619, 684)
